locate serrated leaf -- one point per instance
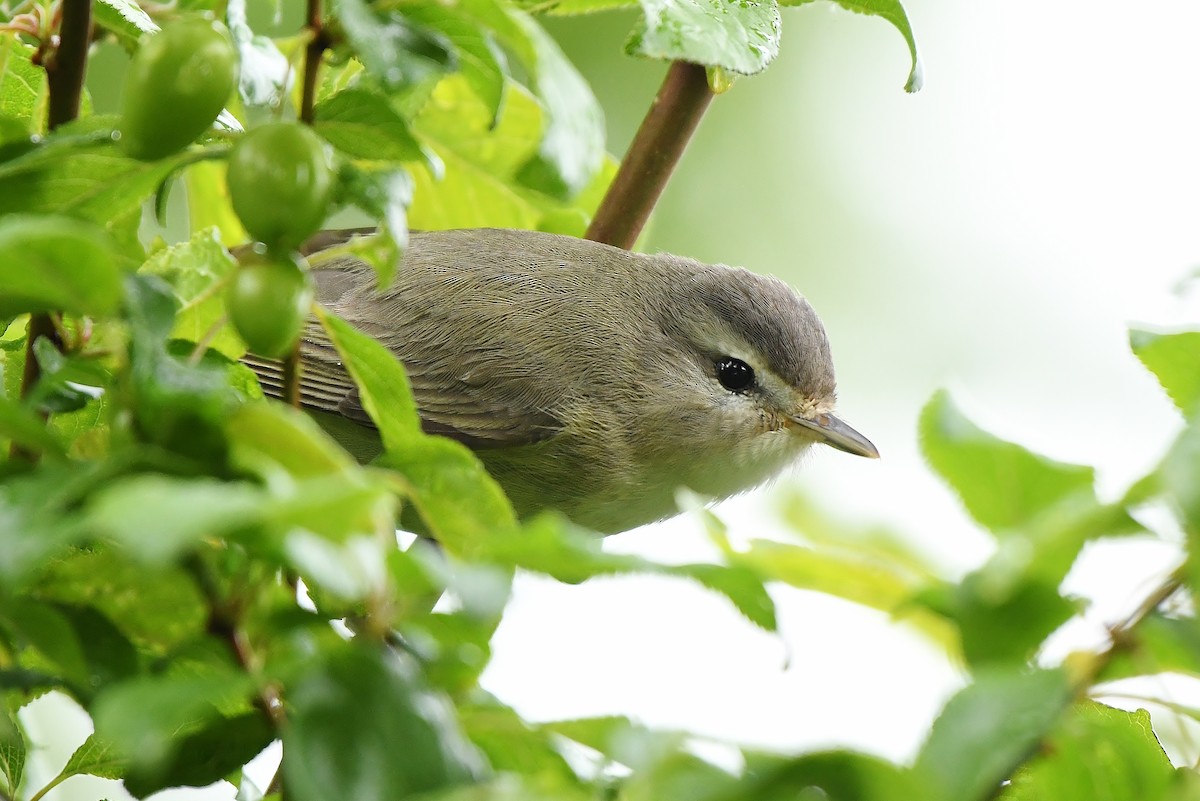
(212, 752)
(1097, 753)
(988, 729)
(393, 48)
(362, 124)
(1001, 484)
(125, 19)
(742, 37)
(384, 194)
(79, 171)
(197, 270)
(94, 757)
(157, 608)
(49, 632)
(13, 751)
(1175, 361)
(480, 59)
(892, 11)
(23, 92)
(146, 718)
(56, 263)
(361, 725)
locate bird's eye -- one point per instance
(734, 374)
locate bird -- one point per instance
(587, 378)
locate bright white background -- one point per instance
(994, 234)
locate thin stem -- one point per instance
(292, 365)
(66, 68)
(317, 43)
(652, 156)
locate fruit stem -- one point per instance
(652, 156)
(317, 43)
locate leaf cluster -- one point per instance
(205, 572)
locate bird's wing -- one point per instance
(447, 405)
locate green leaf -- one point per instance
(269, 439)
(988, 730)
(572, 147)
(147, 718)
(1158, 644)
(1180, 477)
(1097, 754)
(78, 171)
(125, 19)
(197, 270)
(23, 93)
(454, 495)
(218, 748)
(94, 757)
(13, 751)
(870, 582)
(49, 632)
(393, 48)
(160, 517)
(480, 59)
(37, 516)
(176, 404)
(361, 725)
(740, 37)
(385, 195)
(386, 394)
(55, 263)
(157, 608)
(744, 589)
(363, 125)
(22, 426)
(513, 746)
(830, 776)
(893, 12)
(1001, 484)
(1174, 360)
(552, 545)
(999, 620)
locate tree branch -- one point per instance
(65, 71)
(656, 149)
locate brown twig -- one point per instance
(318, 41)
(65, 71)
(652, 156)
(66, 68)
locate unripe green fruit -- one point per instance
(177, 84)
(280, 181)
(268, 301)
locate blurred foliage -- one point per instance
(174, 549)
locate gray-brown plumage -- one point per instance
(587, 378)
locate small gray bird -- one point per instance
(586, 378)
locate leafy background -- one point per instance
(993, 233)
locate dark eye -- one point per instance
(734, 374)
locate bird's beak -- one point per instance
(835, 433)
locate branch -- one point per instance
(318, 41)
(65, 71)
(652, 156)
